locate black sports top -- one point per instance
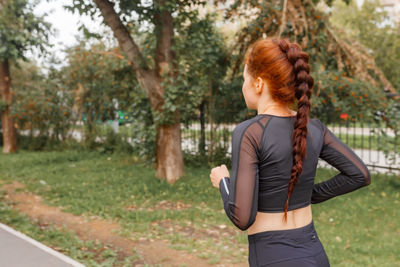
(262, 162)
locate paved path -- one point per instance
(19, 250)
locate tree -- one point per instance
(347, 77)
(306, 23)
(97, 77)
(20, 30)
(369, 24)
(42, 106)
(152, 75)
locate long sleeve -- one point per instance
(353, 175)
(240, 192)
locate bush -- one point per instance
(114, 143)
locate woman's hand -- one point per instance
(217, 174)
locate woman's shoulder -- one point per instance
(244, 125)
(315, 121)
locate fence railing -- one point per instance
(365, 139)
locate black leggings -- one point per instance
(299, 247)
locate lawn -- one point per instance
(357, 229)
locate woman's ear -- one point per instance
(259, 85)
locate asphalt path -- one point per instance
(19, 250)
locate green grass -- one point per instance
(362, 228)
(356, 229)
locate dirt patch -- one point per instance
(104, 231)
(199, 233)
(162, 205)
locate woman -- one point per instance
(274, 160)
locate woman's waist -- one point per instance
(269, 221)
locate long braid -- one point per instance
(303, 82)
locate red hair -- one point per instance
(284, 67)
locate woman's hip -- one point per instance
(293, 247)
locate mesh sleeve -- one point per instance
(353, 172)
(240, 192)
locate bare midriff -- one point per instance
(266, 221)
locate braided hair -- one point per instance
(284, 66)
(303, 85)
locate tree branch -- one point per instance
(164, 30)
(123, 36)
(283, 24)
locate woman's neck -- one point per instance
(276, 109)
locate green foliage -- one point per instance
(39, 143)
(389, 120)
(201, 57)
(142, 128)
(114, 143)
(335, 93)
(42, 104)
(3, 105)
(101, 81)
(46, 106)
(210, 160)
(229, 103)
(201, 60)
(143, 132)
(219, 156)
(144, 12)
(195, 160)
(372, 26)
(21, 29)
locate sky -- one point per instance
(64, 21)
(66, 24)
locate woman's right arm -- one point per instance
(353, 175)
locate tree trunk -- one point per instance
(169, 152)
(169, 158)
(9, 132)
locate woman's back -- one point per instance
(261, 169)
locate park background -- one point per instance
(108, 142)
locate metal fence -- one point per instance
(365, 139)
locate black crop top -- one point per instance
(262, 162)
